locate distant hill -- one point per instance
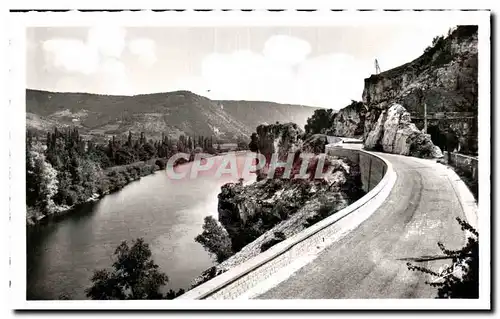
(254, 113)
(172, 113)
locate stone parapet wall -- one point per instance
(378, 180)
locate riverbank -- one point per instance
(114, 179)
(167, 213)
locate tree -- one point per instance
(215, 239)
(134, 275)
(254, 143)
(41, 179)
(320, 121)
(461, 279)
(172, 294)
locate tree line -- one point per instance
(64, 169)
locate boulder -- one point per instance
(395, 133)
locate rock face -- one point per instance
(252, 214)
(394, 133)
(256, 215)
(349, 121)
(315, 144)
(279, 138)
(444, 79)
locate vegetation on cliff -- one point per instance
(443, 81)
(256, 217)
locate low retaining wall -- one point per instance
(379, 178)
(372, 167)
(466, 164)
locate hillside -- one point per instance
(173, 113)
(254, 113)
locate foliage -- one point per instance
(320, 121)
(134, 275)
(254, 143)
(439, 51)
(206, 276)
(461, 280)
(62, 169)
(278, 237)
(41, 182)
(215, 239)
(323, 212)
(172, 294)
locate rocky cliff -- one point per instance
(278, 138)
(349, 121)
(443, 80)
(259, 215)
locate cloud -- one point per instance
(333, 80)
(70, 55)
(108, 40)
(286, 49)
(78, 56)
(97, 61)
(326, 81)
(144, 49)
(112, 78)
(242, 74)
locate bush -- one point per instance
(449, 282)
(323, 212)
(134, 275)
(278, 237)
(215, 239)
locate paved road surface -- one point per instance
(369, 261)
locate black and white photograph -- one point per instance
(324, 160)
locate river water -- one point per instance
(168, 214)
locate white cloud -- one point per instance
(109, 40)
(97, 58)
(286, 49)
(70, 55)
(333, 80)
(326, 81)
(74, 55)
(112, 78)
(144, 49)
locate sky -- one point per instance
(316, 66)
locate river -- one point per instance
(168, 214)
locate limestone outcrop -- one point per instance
(254, 213)
(443, 79)
(394, 133)
(280, 138)
(349, 121)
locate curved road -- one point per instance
(370, 262)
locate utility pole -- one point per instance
(377, 67)
(425, 118)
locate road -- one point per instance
(370, 262)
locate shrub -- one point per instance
(278, 237)
(134, 275)
(324, 211)
(449, 282)
(215, 239)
